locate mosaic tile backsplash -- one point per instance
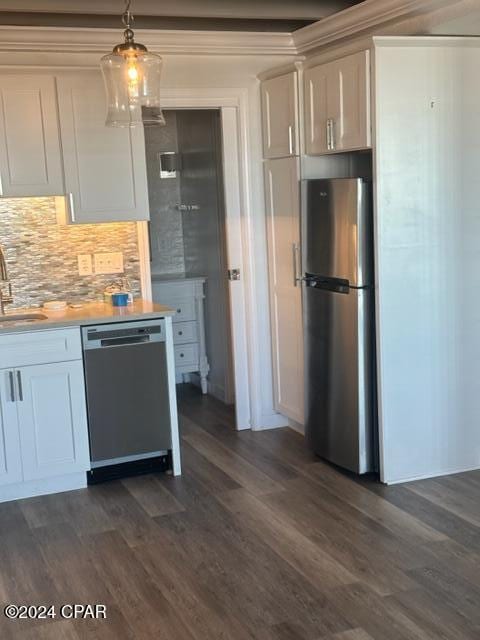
(41, 255)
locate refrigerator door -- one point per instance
(336, 233)
(339, 416)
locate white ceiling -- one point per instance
(237, 9)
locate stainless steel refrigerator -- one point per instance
(338, 303)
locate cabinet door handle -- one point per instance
(290, 139)
(330, 141)
(333, 142)
(20, 386)
(12, 386)
(297, 278)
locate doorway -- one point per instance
(188, 248)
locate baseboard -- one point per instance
(271, 421)
(215, 390)
(296, 426)
(34, 488)
(435, 474)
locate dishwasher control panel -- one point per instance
(123, 333)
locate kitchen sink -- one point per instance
(22, 317)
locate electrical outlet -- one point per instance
(108, 262)
(85, 264)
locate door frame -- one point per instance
(233, 105)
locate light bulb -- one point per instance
(133, 73)
(133, 76)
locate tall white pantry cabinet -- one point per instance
(282, 197)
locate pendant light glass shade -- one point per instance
(132, 81)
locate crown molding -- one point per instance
(98, 41)
(366, 17)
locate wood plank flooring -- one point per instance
(258, 540)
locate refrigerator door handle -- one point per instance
(297, 277)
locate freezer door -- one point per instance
(337, 229)
(340, 376)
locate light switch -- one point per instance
(85, 264)
(108, 262)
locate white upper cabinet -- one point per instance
(337, 105)
(30, 159)
(280, 116)
(105, 167)
(283, 225)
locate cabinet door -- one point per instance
(52, 418)
(337, 105)
(283, 224)
(105, 170)
(352, 129)
(30, 160)
(321, 104)
(280, 116)
(10, 458)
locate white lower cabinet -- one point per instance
(43, 422)
(52, 419)
(186, 296)
(10, 455)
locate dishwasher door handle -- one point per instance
(124, 342)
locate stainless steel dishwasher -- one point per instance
(127, 398)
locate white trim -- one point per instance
(144, 258)
(282, 70)
(32, 488)
(425, 41)
(100, 41)
(172, 393)
(364, 19)
(367, 16)
(430, 475)
(239, 255)
(233, 102)
(296, 426)
(271, 421)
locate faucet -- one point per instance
(4, 299)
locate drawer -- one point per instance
(186, 355)
(40, 347)
(177, 290)
(184, 310)
(184, 332)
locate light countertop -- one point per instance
(90, 313)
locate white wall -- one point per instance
(428, 257)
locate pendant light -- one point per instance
(132, 81)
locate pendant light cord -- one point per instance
(127, 17)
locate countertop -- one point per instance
(90, 313)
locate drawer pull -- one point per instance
(20, 386)
(12, 386)
(179, 311)
(182, 355)
(180, 333)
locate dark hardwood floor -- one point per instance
(257, 540)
